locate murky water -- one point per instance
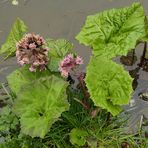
(63, 19)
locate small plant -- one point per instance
(43, 108)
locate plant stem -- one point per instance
(82, 103)
(108, 117)
(95, 112)
(85, 92)
(143, 55)
(133, 56)
(48, 69)
(82, 84)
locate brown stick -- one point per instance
(86, 94)
(143, 55)
(82, 103)
(82, 84)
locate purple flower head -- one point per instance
(30, 50)
(69, 63)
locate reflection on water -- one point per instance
(63, 19)
(139, 105)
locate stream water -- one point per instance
(64, 19)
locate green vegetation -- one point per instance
(43, 108)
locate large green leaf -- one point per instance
(23, 76)
(40, 103)
(58, 50)
(108, 84)
(16, 33)
(114, 32)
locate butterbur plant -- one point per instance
(44, 105)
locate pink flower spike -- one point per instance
(30, 50)
(68, 64)
(79, 60)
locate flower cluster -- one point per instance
(29, 50)
(69, 63)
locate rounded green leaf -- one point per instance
(114, 32)
(108, 84)
(40, 103)
(23, 76)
